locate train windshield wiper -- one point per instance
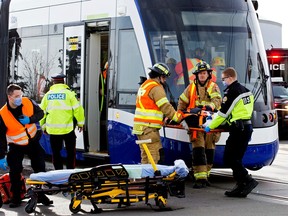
(262, 79)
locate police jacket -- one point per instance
(37, 114)
(237, 104)
(151, 105)
(60, 107)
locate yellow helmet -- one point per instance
(161, 69)
(218, 61)
(202, 66)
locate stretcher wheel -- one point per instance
(161, 202)
(30, 206)
(74, 210)
(161, 205)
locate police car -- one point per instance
(280, 92)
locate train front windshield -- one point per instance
(181, 34)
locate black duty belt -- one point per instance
(245, 122)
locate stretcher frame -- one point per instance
(194, 129)
(110, 184)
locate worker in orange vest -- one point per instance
(151, 106)
(18, 118)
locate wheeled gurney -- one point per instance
(111, 184)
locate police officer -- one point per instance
(236, 110)
(151, 105)
(61, 109)
(18, 118)
(205, 94)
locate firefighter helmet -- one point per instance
(202, 66)
(161, 69)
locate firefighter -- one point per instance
(205, 94)
(18, 118)
(236, 110)
(151, 105)
(62, 111)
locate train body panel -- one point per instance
(261, 151)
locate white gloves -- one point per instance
(185, 125)
(208, 121)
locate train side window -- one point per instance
(130, 68)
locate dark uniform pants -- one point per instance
(15, 158)
(56, 142)
(236, 146)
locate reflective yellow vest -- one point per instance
(16, 132)
(60, 107)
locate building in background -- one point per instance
(272, 33)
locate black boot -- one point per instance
(200, 183)
(15, 202)
(242, 189)
(248, 185)
(208, 183)
(236, 191)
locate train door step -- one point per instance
(97, 155)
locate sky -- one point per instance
(275, 10)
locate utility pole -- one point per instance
(4, 45)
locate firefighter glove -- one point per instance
(185, 125)
(24, 120)
(3, 164)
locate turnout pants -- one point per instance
(203, 151)
(155, 147)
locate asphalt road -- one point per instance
(270, 197)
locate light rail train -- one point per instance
(79, 37)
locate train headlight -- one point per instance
(271, 117)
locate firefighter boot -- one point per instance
(200, 183)
(248, 185)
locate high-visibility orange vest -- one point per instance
(16, 132)
(147, 112)
(193, 94)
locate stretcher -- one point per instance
(196, 120)
(111, 184)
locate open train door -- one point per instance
(86, 54)
(96, 75)
(73, 66)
